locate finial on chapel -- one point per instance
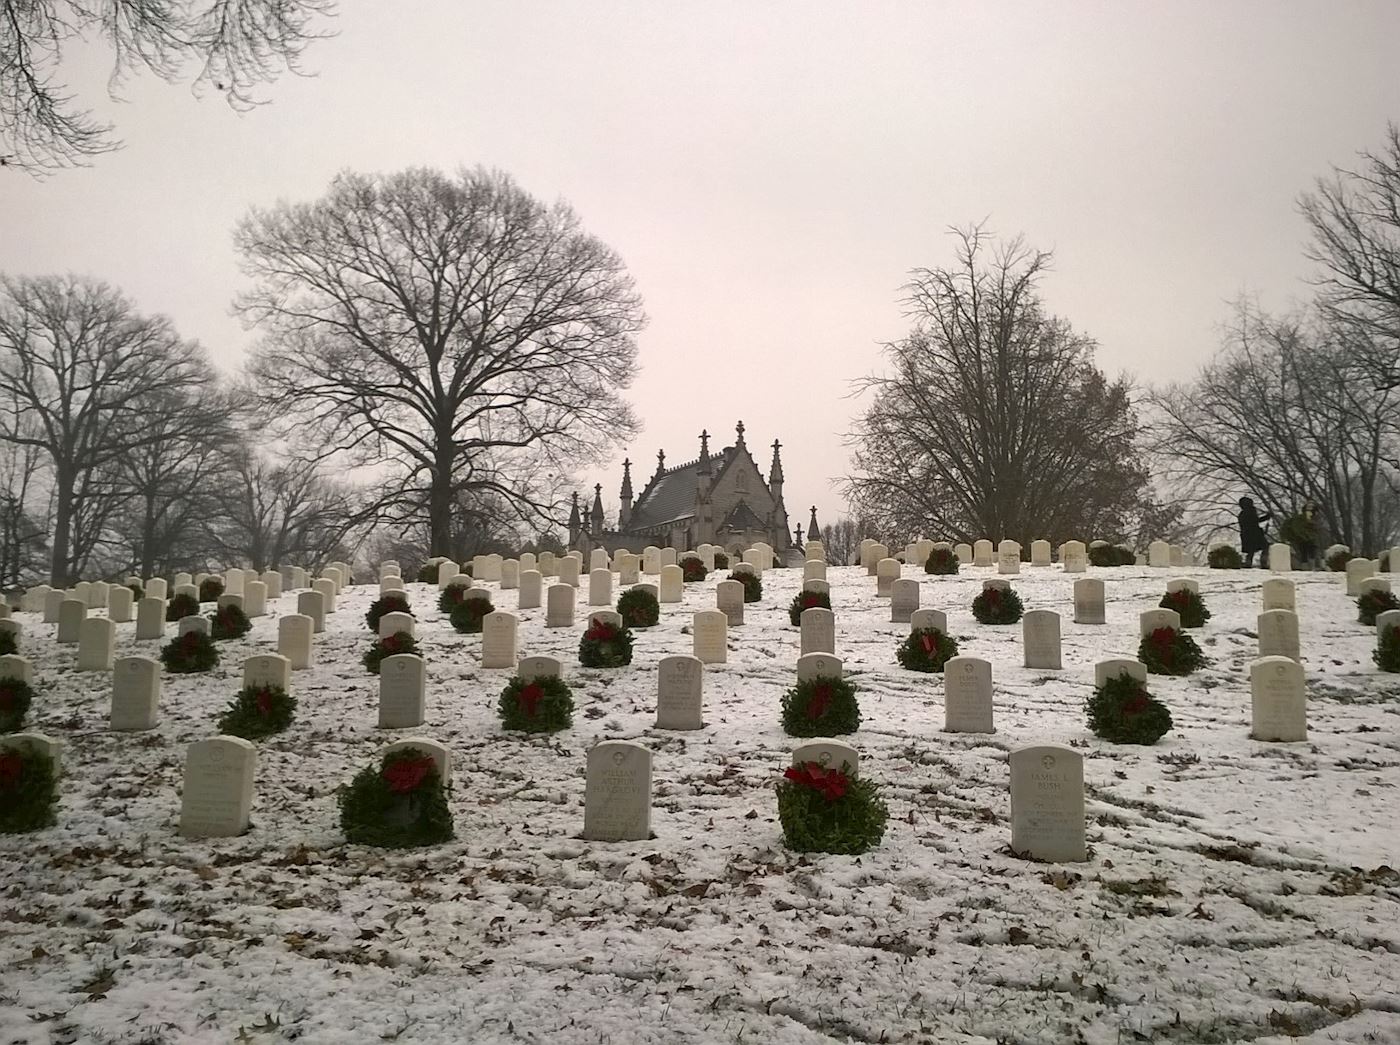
(739, 428)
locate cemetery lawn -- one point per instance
(1235, 891)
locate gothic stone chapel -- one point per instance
(719, 499)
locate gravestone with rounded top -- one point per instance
(1008, 557)
(904, 600)
(187, 589)
(814, 570)
(267, 669)
(1183, 584)
(679, 697)
(402, 691)
(1047, 803)
(528, 561)
(1088, 601)
(233, 581)
(70, 620)
(600, 587)
(1278, 704)
(1159, 555)
(1278, 635)
(54, 599)
(617, 792)
(1358, 570)
(193, 622)
(491, 567)
(34, 743)
(729, 598)
(964, 553)
(754, 557)
(313, 604)
(887, 571)
(1370, 584)
(710, 633)
(1075, 557)
(393, 583)
(217, 798)
(818, 631)
(135, 694)
(499, 631)
(707, 556)
(829, 754)
(651, 560)
(547, 564)
(294, 639)
(569, 571)
(531, 668)
(817, 587)
(559, 611)
(326, 587)
(510, 574)
(1040, 553)
(272, 586)
(818, 665)
(150, 619)
(82, 591)
(628, 568)
(967, 695)
(427, 748)
(156, 589)
(254, 598)
(1280, 558)
(672, 583)
(598, 560)
(227, 599)
(447, 569)
(669, 557)
(814, 551)
(97, 595)
(1040, 635)
(921, 620)
(878, 554)
(1115, 666)
(119, 603)
(531, 583)
(1279, 594)
(1150, 620)
(96, 639)
(13, 666)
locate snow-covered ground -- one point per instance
(1235, 891)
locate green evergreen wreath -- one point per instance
(1121, 711)
(466, 615)
(997, 606)
(16, 696)
(753, 587)
(229, 622)
(191, 652)
(941, 561)
(427, 573)
(1112, 555)
(258, 711)
(1166, 651)
(807, 600)
(1223, 557)
(693, 569)
(28, 790)
(8, 643)
(821, 707)
(451, 597)
(398, 804)
(926, 649)
(638, 608)
(1373, 603)
(721, 561)
(827, 811)
(210, 589)
(391, 603)
(1337, 561)
(605, 645)
(1387, 654)
(542, 705)
(1189, 606)
(180, 607)
(388, 646)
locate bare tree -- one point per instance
(453, 333)
(236, 45)
(992, 420)
(841, 539)
(24, 530)
(1355, 221)
(1279, 416)
(76, 364)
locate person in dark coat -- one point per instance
(1252, 537)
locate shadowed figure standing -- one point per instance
(1252, 532)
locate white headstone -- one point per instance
(1159, 555)
(393, 623)
(1088, 601)
(119, 603)
(629, 568)
(326, 587)
(1183, 584)
(1040, 635)
(669, 557)
(233, 581)
(96, 638)
(54, 599)
(155, 588)
(820, 587)
(531, 582)
(904, 599)
(559, 612)
(447, 569)
(1370, 584)
(818, 631)
(254, 598)
(921, 620)
(510, 574)
(13, 666)
(227, 599)
(34, 743)
(1008, 557)
(1047, 803)
(672, 582)
(1357, 571)
(710, 632)
(1278, 635)
(569, 571)
(532, 668)
(135, 693)
(1115, 666)
(402, 691)
(617, 794)
(194, 622)
(1279, 594)
(426, 748)
(491, 567)
(217, 798)
(1278, 704)
(150, 618)
(294, 633)
(313, 604)
(98, 593)
(546, 563)
(877, 553)
(886, 573)
(679, 699)
(967, 695)
(814, 570)
(1074, 557)
(498, 639)
(964, 553)
(818, 665)
(267, 669)
(1150, 620)
(1040, 553)
(1280, 558)
(729, 598)
(70, 620)
(829, 754)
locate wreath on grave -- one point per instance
(8, 643)
(638, 608)
(821, 707)
(1121, 711)
(1111, 555)
(807, 600)
(997, 606)
(1189, 606)
(229, 622)
(210, 589)
(466, 615)
(542, 705)
(721, 560)
(941, 561)
(398, 804)
(451, 597)
(389, 646)
(1223, 557)
(693, 569)
(393, 603)
(1387, 654)
(753, 587)
(189, 653)
(427, 573)
(605, 645)
(258, 711)
(1337, 558)
(28, 789)
(829, 811)
(1167, 651)
(181, 606)
(1373, 603)
(15, 697)
(926, 649)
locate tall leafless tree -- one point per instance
(24, 530)
(992, 420)
(455, 334)
(1279, 415)
(77, 362)
(1354, 217)
(235, 45)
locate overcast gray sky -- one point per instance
(771, 171)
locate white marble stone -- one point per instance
(1040, 637)
(1047, 803)
(135, 694)
(217, 798)
(1278, 703)
(679, 693)
(617, 792)
(294, 640)
(402, 691)
(967, 695)
(710, 632)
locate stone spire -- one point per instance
(660, 462)
(596, 516)
(798, 531)
(775, 473)
(624, 513)
(575, 522)
(813, 534)
(739, 429)
(705, 468)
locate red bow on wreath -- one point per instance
(190, 640)
(529, 699)
(993, 595)
(1178, 599)
(927, 640)
(1136, 704)
(7, 697)
(601, 631)
(263, 699)
(810, 601)
(403, 777)
(820, 702)
(1164, 641)
(11, 765)
(390, 643)
(831, 784)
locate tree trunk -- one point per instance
(440, 508)
(62, 528)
